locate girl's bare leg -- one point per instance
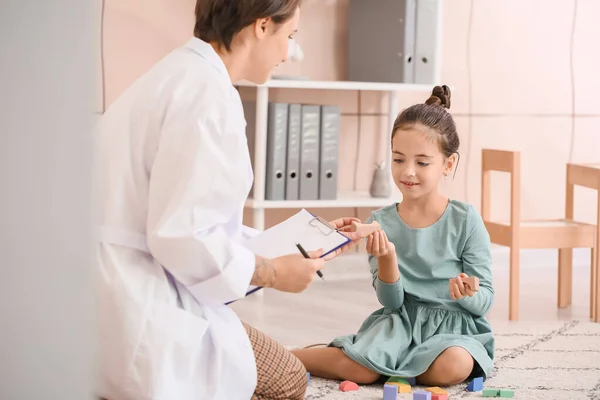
(332, 363)
(451, 367)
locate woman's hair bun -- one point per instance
(440, 96)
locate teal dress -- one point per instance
(419, 320)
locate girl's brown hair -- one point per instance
(433, 115)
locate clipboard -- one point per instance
(311, 231)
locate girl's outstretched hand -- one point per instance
(458, 289)
(378, 245)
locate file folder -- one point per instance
(292, 180)
(427, 49)
(309, 152)
(329, 149)
(277, 122)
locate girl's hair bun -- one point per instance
(440, 96)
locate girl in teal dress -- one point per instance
(431, 326)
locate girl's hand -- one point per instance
(458, 289)
(379, 246)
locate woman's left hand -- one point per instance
(458, 289)
(343, 225)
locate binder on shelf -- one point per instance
(309, 152)
(372, 56)
(329, 150)
(292, 175)
(427, 42)
(277, 122)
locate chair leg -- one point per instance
(593, 288)
(513, 301)
(565, 277)
(594, 285)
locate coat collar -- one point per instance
(206, 51)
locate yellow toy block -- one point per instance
(436, 390)
(402, 387)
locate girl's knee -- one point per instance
(456, 365)
(451, 367)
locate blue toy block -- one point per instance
(390, 392)
(475, 385)
(421, 395)
(308, 376)
(412, 381)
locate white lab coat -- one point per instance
(174, 173)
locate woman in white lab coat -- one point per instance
(174, 173)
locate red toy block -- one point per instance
(347, 386)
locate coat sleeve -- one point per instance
(477, 261)
(197, 182)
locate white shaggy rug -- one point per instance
(538, 360)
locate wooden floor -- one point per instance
(338, 305)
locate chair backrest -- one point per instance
(503, 161)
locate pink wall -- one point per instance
(518, 94)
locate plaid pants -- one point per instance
(281, 375)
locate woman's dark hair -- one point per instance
(219, 20)
(434, 116)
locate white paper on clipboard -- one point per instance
(311, 232)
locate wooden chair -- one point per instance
(562, 234)
(587, 175)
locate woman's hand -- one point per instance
(379, 246)
(343, 225)
(458, 289)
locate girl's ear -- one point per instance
(450, 164)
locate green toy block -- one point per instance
(504, 393)
(491, 392)
(397, 379)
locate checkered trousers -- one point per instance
(281, 375)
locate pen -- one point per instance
(305, 254)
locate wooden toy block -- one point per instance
(507, 393)
(402, 387)
(397, 379)
(365, 229)
(476, 385)
(491, 392)
(421, 395)
(436, 390)
(390, 392)
(406, 381)
(472, 282)
(347, 386)
(436, 396)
